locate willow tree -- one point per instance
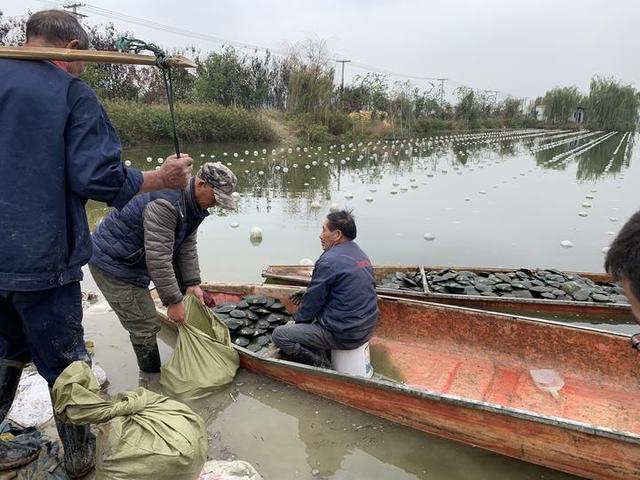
(469, 108)
(611, 105)
(561, 103)
(311, 87)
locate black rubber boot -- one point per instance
(311, 357)
(24, 447)
(79, 448)
(148, 357)
(10, 372)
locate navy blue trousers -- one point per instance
(44, 327)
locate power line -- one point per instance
(103, 12)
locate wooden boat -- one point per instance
(465, 375)
(587, 311)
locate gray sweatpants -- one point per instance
(289, 338)
(133, 306)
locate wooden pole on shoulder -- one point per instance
(95, 56)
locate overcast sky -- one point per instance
(519, 47)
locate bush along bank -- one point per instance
(348, 128)
(139, 123)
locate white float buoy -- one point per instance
(369, 199)
(348, 196)
(315, 204)
(429, 237)
(566, 243)
(334, 208)
(234, 224)
(605, 250)
(306, 262)
(127, 163)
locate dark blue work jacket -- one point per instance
(58, 149)
(342, 294)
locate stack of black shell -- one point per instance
(403, 281)
(252, 320)
(549, 284)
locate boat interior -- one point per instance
(547, 369)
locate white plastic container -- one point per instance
(353, 362)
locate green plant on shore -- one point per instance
(138, 123)
(561, 103)
(611, 105)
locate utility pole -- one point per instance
(442, 80)
(342, 83)
(342, 77)
(73, 9)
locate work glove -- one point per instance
(635, 341)
(296, 297)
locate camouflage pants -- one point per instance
(133, 306)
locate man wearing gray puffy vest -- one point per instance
(153, 238)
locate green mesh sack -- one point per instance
(141, 434)
(203, 359)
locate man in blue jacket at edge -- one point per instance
(339, 309)
(59, 150)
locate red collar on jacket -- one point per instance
(60, 64)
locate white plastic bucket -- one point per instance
(353, 362)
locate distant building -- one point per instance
(577, 116)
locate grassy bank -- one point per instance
(342, 128)
(139, 123)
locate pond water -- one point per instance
(505, 200)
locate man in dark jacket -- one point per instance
(339, 309)
(154, 238)
(623, 263)
(59, 150)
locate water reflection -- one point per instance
(488, 192)
(312, 174)
(288, 433)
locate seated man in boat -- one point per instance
(623, 264)
(154, 238)
(339, 309)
